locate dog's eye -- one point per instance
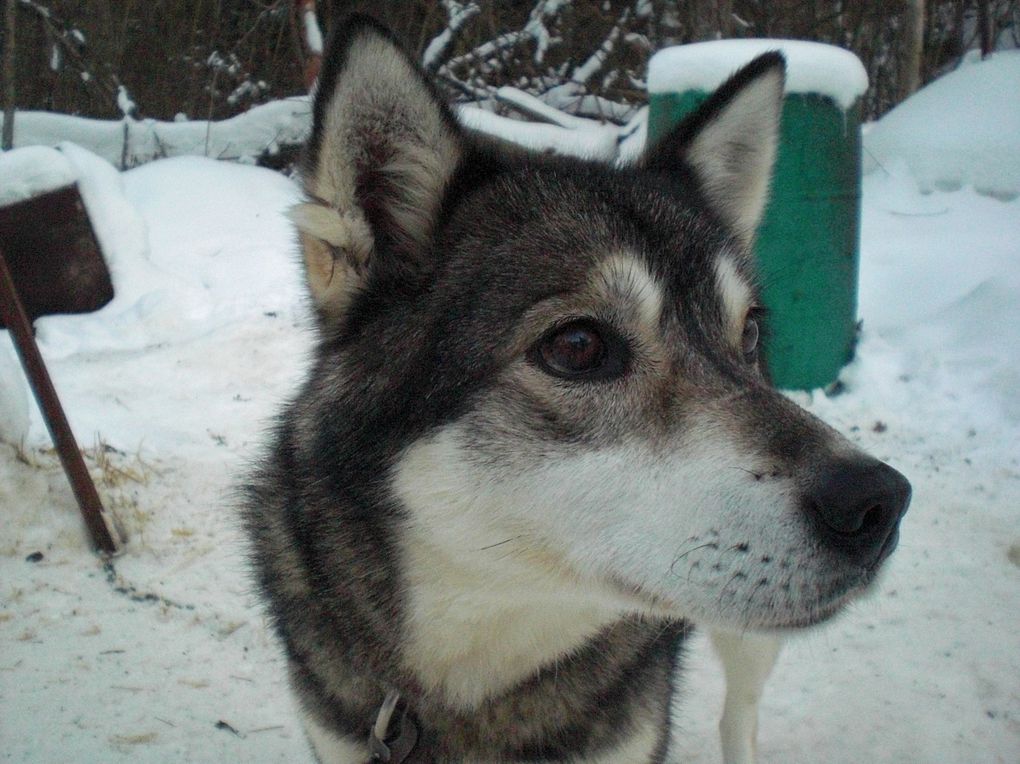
(749, 337)
(580, 349)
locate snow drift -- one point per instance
(961, 130)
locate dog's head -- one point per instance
(561, 358)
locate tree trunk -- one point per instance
(709, 19)
(724, 18)
(10, 12)
(985, 28)
(912, 47)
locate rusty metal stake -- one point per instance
(16, 319)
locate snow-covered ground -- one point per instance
(165, 655)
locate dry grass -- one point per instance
(119, 478)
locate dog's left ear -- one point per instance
(730, 143)
(382, 150)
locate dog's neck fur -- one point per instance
(570, 710)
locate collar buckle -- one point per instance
(388, 742)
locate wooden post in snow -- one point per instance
(50, 262)
(16, 319)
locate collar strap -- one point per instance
(391, 742)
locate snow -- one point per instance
(167, 655)
(540, 110)
(313, 35)
(435, 48)
(14, 411)
(811, 67)
(130, 142)
(458, 14)
(977, 141)
(124, 102)
(32, 171)
(166, 387)
(597, 142)
(265, 127)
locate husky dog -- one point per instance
(536, 443)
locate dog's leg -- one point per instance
(747, 661)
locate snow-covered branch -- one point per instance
(458, 14)
(307, 24)
(260, 133)
(534, 29)
(538, 109)
(587, 70)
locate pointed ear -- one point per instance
(730, 143)
(382, 150)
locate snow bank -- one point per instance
(130, 142)
(811, 67)
(939, 275)
(962, 129)
(944, 246)
(29, 172)
(192, 245)
(182, 275)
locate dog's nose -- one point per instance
(857, 506)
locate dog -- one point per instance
(537, 443)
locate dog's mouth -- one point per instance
(800, 613)
(796, 594)
(805, 614)
(887, 549)
(812, 615)
(855, 582)
(812, 606)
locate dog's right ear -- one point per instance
(382, 150)
(730, 142)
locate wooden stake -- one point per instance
(16, 319)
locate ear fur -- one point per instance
(382, 150)
(730, 143)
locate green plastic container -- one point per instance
(807, 245)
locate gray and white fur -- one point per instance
(537, 443)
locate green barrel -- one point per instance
(807, 245)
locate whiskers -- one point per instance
(500, 543)
(507, 548)
(680, 557)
